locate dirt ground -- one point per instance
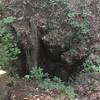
(30, 91)
(87, 87)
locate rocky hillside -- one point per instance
(47, 37)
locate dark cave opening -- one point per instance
(51, 62)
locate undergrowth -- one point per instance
(46, 83)
(8, 46)
(66, 27)
(90, 66)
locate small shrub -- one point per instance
(56, 83)
(36, 73)
(8, 46)
(89, 66)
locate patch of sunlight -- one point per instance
(2, 72)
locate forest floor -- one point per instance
(30, 91)
(87, 87)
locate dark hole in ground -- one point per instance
(54, 67)
(52, 63)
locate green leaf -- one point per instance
(8, 20)
(71, 14)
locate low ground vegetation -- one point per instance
(46, 83)
(8, 45)
(67, 30)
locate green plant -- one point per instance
(89, 66)
(8, 46)
(36, 73)
(43, 79)
(45, 82)
(56, 83)
(70, 92)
